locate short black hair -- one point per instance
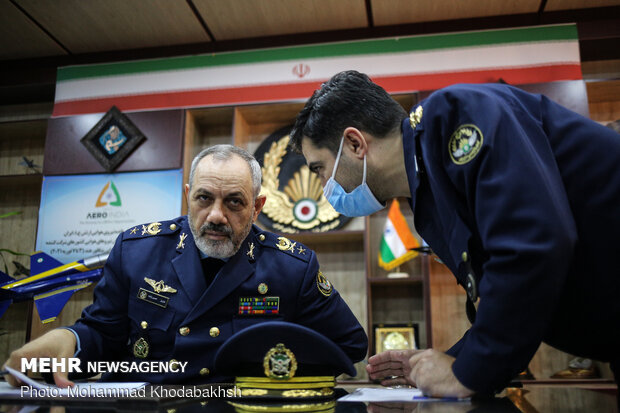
(349, 98)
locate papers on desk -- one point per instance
(35, 389)
(387, 394)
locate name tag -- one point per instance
(153, 298)
(259, 305)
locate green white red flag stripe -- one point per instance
(525, 55)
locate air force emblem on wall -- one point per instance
(464, 144)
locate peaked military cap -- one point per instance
(281, 360)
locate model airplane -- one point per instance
(50, 284)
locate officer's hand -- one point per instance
(391, 367)
(58, 343)
(431, 370)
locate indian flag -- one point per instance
(397, 240)
(400, 65)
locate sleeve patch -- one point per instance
(465, 143)
(323, 284)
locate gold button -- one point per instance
(144, 325)
(464, 256)
(173, 227)
(174, 364)
(214, 332)
(184, 331)
(204, 371)
(261, 237)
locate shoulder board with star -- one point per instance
(285, 245)
(151, 229)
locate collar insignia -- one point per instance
(181, 243)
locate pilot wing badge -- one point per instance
(159, 286)
(154, 297)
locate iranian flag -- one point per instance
(397, 240)
(400, 65)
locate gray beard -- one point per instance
(225, 248)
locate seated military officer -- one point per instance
(174, 291)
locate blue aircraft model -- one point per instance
(50, 284)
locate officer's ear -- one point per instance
(187, 193)
(259, 202)
(355, 142)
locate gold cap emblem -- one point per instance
(280, 363)
(141, 348)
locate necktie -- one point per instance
(210, 268)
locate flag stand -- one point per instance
(397, 273)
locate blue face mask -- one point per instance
(357, 203)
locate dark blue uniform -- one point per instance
(520, 198)
(153, 304)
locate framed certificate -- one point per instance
(395, 337)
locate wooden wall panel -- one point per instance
(604, 98)
(553, 5)
(90, 26)
(20, 38)
(388, 12)
(17, 233)
(448, 317)
(342, 263)
(18, 139)
(162, 149)
(14, 328)
(256, 18)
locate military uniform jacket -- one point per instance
(191, 321)
(520, 198)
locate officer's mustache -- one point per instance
(211, 227)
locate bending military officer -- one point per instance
(516, 194)
(175, 290)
